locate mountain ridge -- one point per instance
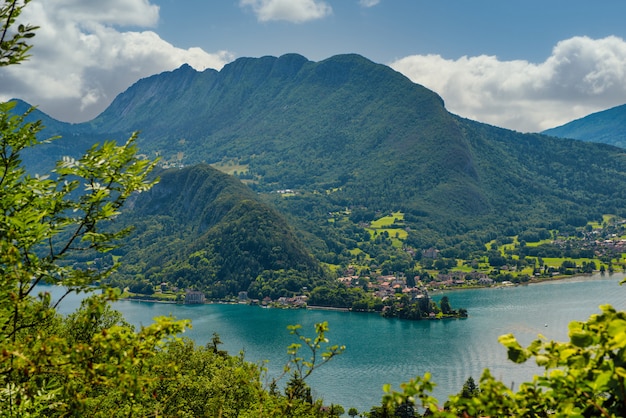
(347, 135)
(607, 126)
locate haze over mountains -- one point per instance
(346, 135)
(608, 127)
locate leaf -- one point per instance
(617, 330)
(601, 382)
(515, 351)
(581, 338)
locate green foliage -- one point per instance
(279, 283)
(44, 369)
(320, 352)
(47, 366)
(298, 398)
(201, 383)
(14, 45)
(201, 228)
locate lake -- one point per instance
(380, 350)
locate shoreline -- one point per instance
(328, 308)
(557, 278)
(532, 281)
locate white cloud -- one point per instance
(581, 76)
(369, 3)
(81, 60)
(296, 11)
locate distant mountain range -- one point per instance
(608, 127)
(323, 142)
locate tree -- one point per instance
(13, 46)
(353, 412)
(335, 410)
(444, 304)
(44, 219)
(469, 388)
(405, 410)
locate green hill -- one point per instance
(201, 228)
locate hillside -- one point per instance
(607, 126)
(346, 140)
(75, 138)
(201, 228)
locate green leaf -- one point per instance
(581, 338)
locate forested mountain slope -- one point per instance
(201, 228)
(347, 133)
(607, 126)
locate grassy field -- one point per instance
(538, 243)
(606, 219)
(397, 233)
(387, 221)
(393, 226)
(231, 167)
(164, 296)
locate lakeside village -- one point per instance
(389, 295)
(601, 248)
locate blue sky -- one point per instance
(526, 66)
(393, 29)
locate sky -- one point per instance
(523, 65)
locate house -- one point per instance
(193, 297)
(485, 281)
(430, 253)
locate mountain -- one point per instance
(607, 127)
(53, 126)
(69, 139)
(337, 143)
(202, 228)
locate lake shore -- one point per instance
(438, 291)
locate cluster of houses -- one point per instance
(459, 278)
(386, 286)
(609, 247)
(298, 301)
(381, 287)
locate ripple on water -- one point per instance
(380, 351)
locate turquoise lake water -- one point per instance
(380, 351)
